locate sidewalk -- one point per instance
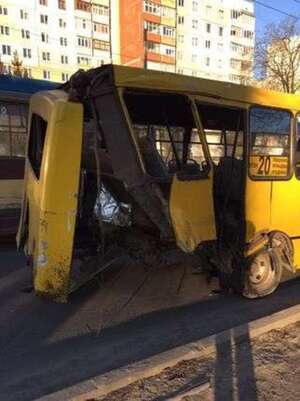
(267, 368)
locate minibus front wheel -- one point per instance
(263, 274)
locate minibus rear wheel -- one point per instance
(263, 274)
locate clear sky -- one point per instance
(265, 15)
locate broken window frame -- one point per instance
(201, 100)
(197, 126)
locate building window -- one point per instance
(248, 34)
(61, 4)
(27, 72)
(64, 76)
(221, 14)
(45, 37)
(23, 14)
(208, 10)
(221, 31)
(152, 27)
(181, 3)
(83, 60)
(83, 42)
(236, 47)
(62, 23)
(207, 61)
(46, 74)
(101, 45)
(195, 6)
(194, 58)
(167, 12)
(235, 63)
(27, 53)
(180, 38)
(102, 28)
(180, 19)
(179, 55)
(6, 50)
(235, 14)
(208, 28)
(153, 47)
(43, 2)
(44, 19)
(46, 56)
(4, 30)
(207, 44)
(169, 51)
(3, 10)
(100, 10)
(168, 31)
(63, 41)
(82, 5)
(194, 41)
(64, 59)
(151, 8)
(195, 23)
(25, 34)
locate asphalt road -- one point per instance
(45, 347)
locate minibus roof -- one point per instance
(129, 77)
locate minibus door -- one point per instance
(191, 199)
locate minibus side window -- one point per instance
(269, 153)
(38, 130)
(224, 131)
(166, 133)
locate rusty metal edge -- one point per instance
(101, 385)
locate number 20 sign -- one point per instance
(269, 166)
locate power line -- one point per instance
(277, 9)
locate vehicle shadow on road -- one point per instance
(44, 350)
(234, 376)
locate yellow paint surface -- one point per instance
(52, 199)
(257, 207)
(192, 212)
(296, 244)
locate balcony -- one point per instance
(82, 6)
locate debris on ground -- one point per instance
(263, 369)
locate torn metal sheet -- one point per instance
(109, 210)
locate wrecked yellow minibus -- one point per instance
(127, 159)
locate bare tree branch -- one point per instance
(277, 56)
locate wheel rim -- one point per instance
(261, 272)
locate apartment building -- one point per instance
(215, 39)
(148, 34)
(54, 38)
(204, 38)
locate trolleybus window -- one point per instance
(269, 142)
(13, 129)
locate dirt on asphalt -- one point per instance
(264, 369)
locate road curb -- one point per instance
(101, 385)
